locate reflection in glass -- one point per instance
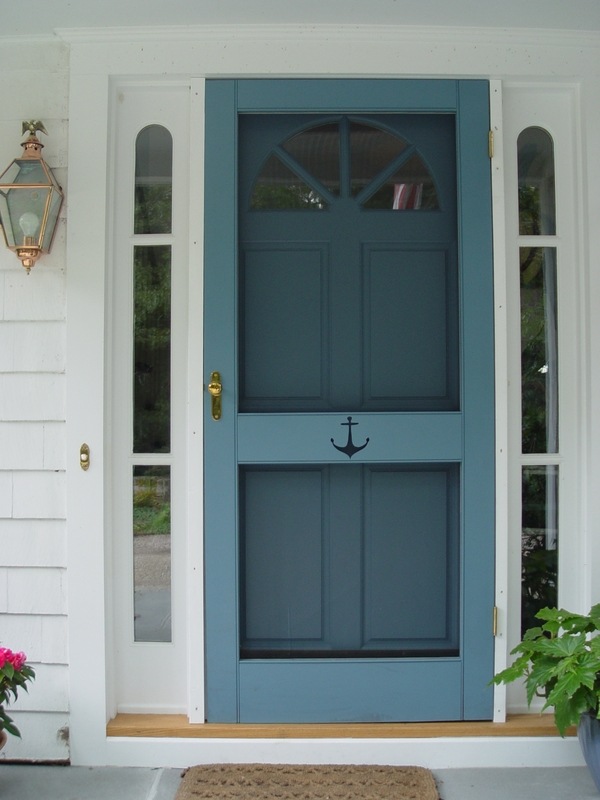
(409, 188)
(152, 553)
(371, 150)
(152, 349)
(539, 350)
(153, 180)
(539, 565)
(277, 187)
(537, 208)
(317, 150)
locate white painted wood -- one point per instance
(33, 543)
(582, 14)
(195, 405)
(551, 107)
(5, 494)
(48, 692)
(39, 495)
(32, 346)
(44, 734)
(42, 638)
(3, 591)
(32, 396)
(39, 295)
(86, 247)
(443, 753)
(21, 445)
(139, 666)
(36, 590)
(501, 396)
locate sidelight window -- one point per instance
(539, 374)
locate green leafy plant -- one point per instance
(560, 661)
(14, 674)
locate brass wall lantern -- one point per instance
(30, 200)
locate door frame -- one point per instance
(331, 96)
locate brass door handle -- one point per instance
(215, 388)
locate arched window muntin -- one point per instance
(384, 188)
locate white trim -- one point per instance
(343, 32)
(195, 389)
(501, 399)
(441, 753)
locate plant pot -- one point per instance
(588, 733)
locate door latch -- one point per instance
(215, 388)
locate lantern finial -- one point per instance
(32, 126)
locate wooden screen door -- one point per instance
(349, 478)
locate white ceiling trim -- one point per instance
(400, 33)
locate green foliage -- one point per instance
(560, 661)
(539, 572)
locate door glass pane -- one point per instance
(152, 553)
(318, 151)
(539, 542)
(410, 188)
(537, 208)
(277, 187)
(153, 180)
(539, 350)
(371, 151)
(152, 349)
(349, 560)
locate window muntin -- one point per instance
(540, 454)
(341, 159)
(151, 386)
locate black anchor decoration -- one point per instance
(350, 448)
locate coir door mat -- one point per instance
(306, 782)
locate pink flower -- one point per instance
(18, 659)
(5, 655)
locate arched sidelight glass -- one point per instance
(539, 373)
(346, 158)
(537, 205)
(151, 428)
(153, 180)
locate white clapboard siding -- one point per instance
(33, 543)
(32, 346)
(33, 555)
(44, 737)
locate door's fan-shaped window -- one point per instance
(279, 187)
(324, 163)
(317, 150)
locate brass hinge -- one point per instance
(491, 144)
(495, 621)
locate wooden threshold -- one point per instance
(177, 726)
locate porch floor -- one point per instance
(177, 726)
(32, 782)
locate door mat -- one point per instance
(306, 782)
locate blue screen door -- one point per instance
(349, 477)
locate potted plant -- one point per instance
(14, 674)
(560, 661)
